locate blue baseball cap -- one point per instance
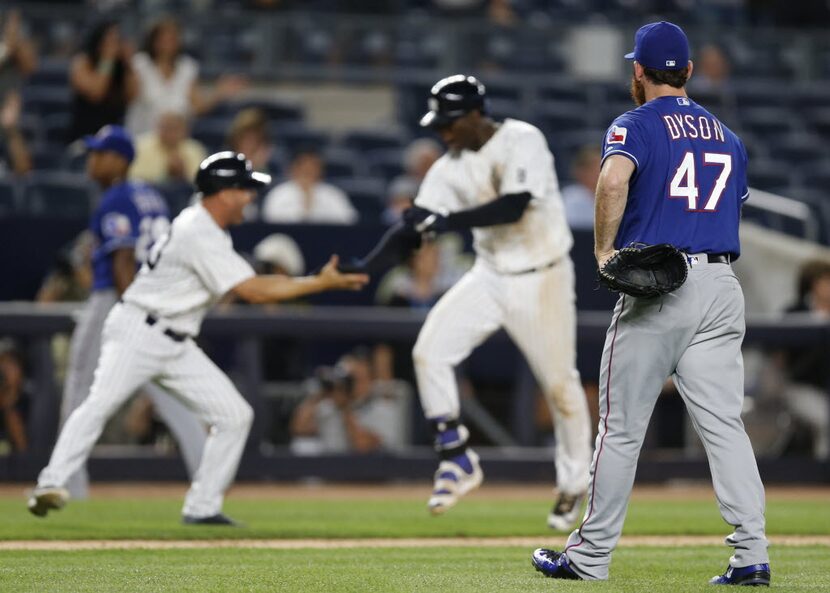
(662, 46)
(113, 139)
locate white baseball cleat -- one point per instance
(565, 511)
(45, 498)
(452, 482)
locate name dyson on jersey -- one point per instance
(689, 126)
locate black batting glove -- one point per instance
(424, 220)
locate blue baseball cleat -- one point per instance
(755, 575)
(553, 564)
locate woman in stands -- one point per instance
(102, 81)
(169, 80)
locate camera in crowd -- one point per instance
(335, 378)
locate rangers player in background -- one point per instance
(149, 335)
(129, 218)
(671, 173)
(499, 180)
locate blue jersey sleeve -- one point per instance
(628, 137)
(117, 222)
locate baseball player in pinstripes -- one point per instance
(129, 218)
(149, 336)
(671, 173)
(499, 180)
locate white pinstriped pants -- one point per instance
(84, 352)
(538, 311)
(132, 354)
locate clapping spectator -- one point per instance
(579, 196)
(18, 58)
(306, 198)
(19, 159)
(102, 81)
(169, 80)
(250, 134)
(167, 154)
(14, 399)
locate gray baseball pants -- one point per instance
(693, 335)
(85, 348)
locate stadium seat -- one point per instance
(57, 194)
(294, 136)
(46, 157)
(366, 195)
(366, 140)
(45, 100)
(769, 175)
(386, 163)
(52, 72)
(178, 195)
(767, 122)
(561, 116)
(564, 89)
(800, 150)
(8, 197)
(212, 132)
(342, 163)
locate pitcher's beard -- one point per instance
(638, 92)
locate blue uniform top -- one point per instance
(690, 178)
(130, 215)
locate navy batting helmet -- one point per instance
(226, 170)
(453, 97)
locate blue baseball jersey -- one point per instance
(690, 178)
(129, 215)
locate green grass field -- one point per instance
(472, 569)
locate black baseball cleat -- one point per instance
(553, 564)
(217, 519)
(754, 575)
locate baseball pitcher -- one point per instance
(673, 176)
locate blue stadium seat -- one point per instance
(797, 149)
(386, 163)
(50, 72)
(366, 195)
(769, 175)
(45, 100)
(275, 109)
(366, 140)
(212, 132)
(769, 123)
(47, 157)
(818, 119)
(56, 128)
(57, 194)
(177, 194)
(342, 163)
(564, 89)
(294, 136)
(558, 117)
(8, 197)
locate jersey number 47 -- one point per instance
(684, 183)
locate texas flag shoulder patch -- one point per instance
(617, 135)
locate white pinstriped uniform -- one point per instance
(187, 272)
(512, 286)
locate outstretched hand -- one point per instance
(334, 279)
